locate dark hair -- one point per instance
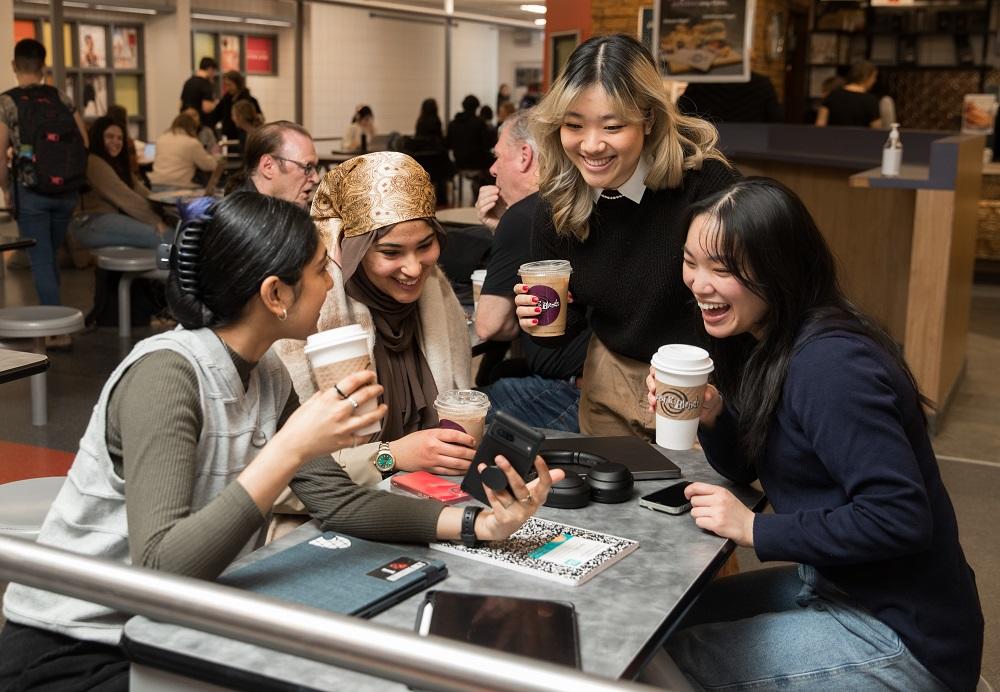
(429, 122)
(362, 113)
(222, 256)
(119, 114)
(248, 113)
(119, 163)
(470, 103)
(765, 237)
(860, 72)
(208, 63)
(486, 113)
(237, 79)
(29, 56)
(429, 108)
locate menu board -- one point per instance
(704, 40)
(260, 55)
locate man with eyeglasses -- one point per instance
(280, 161)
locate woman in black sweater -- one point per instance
(618, 166)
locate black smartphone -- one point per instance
(670, 500)
(539, 629)
(506, 435)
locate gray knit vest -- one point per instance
(88, 516)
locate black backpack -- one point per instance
(52, 159)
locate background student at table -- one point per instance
(113, 209)
(619, 165)
(818, 404)
(180, 156)
(386, 279)
(198, 430)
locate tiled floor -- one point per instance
(968, 441)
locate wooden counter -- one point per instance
(905, 245)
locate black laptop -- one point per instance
(645, 461)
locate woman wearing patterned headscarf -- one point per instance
(377, 214)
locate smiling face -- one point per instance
(398, 263)
(114, 140)
(604, 146)
(728, 308)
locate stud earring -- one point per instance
(284, 314)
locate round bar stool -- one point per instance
(37, 322)
(133, 263)
(24, 504)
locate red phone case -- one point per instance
(428, 485)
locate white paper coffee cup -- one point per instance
(478, 279)
(337, 353)
(681, 375)
(463, 410)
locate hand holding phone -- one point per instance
(670, 499)
(517, 442)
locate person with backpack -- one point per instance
(49, 141)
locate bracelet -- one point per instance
(468, 530)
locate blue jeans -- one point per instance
(105, 230)
(774, 628)
(45, 219)
(539, 402)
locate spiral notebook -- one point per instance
(550, 550)
(339, 573)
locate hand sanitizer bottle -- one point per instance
(892, 153)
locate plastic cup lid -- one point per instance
(462, 399)
(545, 267)
(335, 337)
(479, 275)
(683, 359)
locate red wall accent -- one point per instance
(565, 16)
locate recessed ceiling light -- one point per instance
(216, 17)
(129, 10)
(534, 9)
(267, 22)
(540, 21)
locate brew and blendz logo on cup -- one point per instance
(451, 425)
(548, 301)
(679, 403)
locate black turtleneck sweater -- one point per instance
(628, 271)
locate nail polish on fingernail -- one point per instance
(534, 322)
(534, 299)
(538, 310)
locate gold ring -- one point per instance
(529, 498)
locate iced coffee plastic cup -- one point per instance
(337, 353)
(681, 375)
(478, 279)
(548, 281)
(463, 410)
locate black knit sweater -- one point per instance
(628, 271)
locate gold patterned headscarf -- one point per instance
(367, 193)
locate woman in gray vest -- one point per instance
(196, 433)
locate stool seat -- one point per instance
(24, 504)
(125, 259)
(39, 320)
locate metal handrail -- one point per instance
(319, 635)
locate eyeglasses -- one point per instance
(307, 168)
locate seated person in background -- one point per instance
(172, 479)
(385, 278)
(247, 118)
(179, 155)
(471, 141)
(815, 401)
(826, 88)
(113, 208)
(119, 115)
(362, 124)
(234, 90)
(428, 148)
(279, 161)
(852, 105)
(754, 101)
(545, 392)
(205, 134)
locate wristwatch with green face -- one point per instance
(384, 461)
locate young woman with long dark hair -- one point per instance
(815, 401)
(618, 165)
(198, 430)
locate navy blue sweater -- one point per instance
(856, 491)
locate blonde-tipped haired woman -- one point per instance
(618, 167)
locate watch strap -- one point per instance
(468, 530)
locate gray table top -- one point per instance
(17, 364)
(624, 613)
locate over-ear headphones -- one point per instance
(606, 481)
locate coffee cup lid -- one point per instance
(479, 275)
(543, 267)
(462, 398)
(683, 358)
(335, 337)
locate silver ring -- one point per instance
(353, 402)
(342, 395)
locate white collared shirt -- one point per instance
(634, 187)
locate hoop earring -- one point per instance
(284, 314)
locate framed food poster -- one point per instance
(229, 53)
(703, 40)
(260, 58)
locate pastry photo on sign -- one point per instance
(698, 47)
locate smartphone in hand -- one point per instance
(670, 499)
(516, 441)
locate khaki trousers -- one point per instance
(613, 396)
